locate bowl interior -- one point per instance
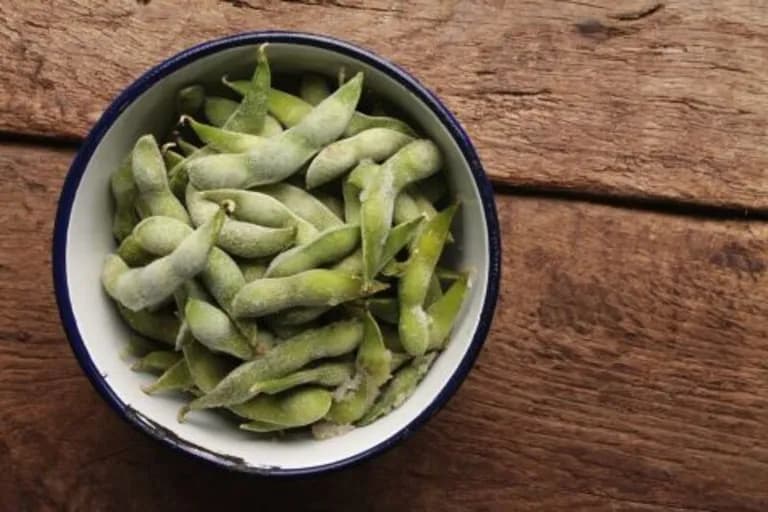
(103, 333)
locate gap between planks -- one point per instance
(653, 204)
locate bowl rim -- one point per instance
(133, 92)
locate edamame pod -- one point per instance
(266, 210)
(314, 88)
(290, 110)
(375, 144)
(239, 238)
(206, 368)
(148, 286)
(317, 287)
(175, 378)
(399, 389)
(170, 157)
(326, 375)
(158, 326)
(415, 282)
(413, 162)
(373, 370)
(222, 139)
(213, 328)
(131, 251)
(279, 157)
(157, 361)
(124, 193)
(189, 99)
(333, 340)
(442, 313)
(330, 246)
(294, 317)
(361, 122)
(138, 346)
(351, 195)
(187, 148)
(217, 110)
(152, 181)
(294, 408)
(252, 270)
(250, 114)
(303, 204)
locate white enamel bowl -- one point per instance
(83, 238)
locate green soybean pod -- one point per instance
(252, 269)
(158, 326)
(351, 195)
(392, 339)
(333, 340)
(331, 202)
(399, 389)
(171, 157)
(373, 367)
(238, 238)
(287, 108)
(213, 328)
(361, 122)
(206, 368)
(313, 88)
(143, 287)
(250, 114)
(296, 317)
(138, 346)
(187, 148)
(124, 193)
(157, 361)
(290, 110)
(443, 312)
(339, 157)
(413, 162)
(222, 139)
(292, 409)
(266, 210)
(317, 287)
(190, 99)
(329, 246)
(415, 282)
(175, 378)
(326, 375)
(398, 360)
(152, 180)
(217, 109)
(279, 157)
(132, 253)
(303, 204)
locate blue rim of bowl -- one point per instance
(178, 61)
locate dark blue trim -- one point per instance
(137, 89)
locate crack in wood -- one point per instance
(243, 4)
(639, 13)
(337, 3)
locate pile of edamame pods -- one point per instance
(279, 259)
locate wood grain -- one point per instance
(627, 369)
(632, 98)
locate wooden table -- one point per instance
(627, 368)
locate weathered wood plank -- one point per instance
(626, 370)
(630, 98)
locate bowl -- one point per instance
(82, 239)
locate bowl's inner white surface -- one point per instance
(90, 240)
